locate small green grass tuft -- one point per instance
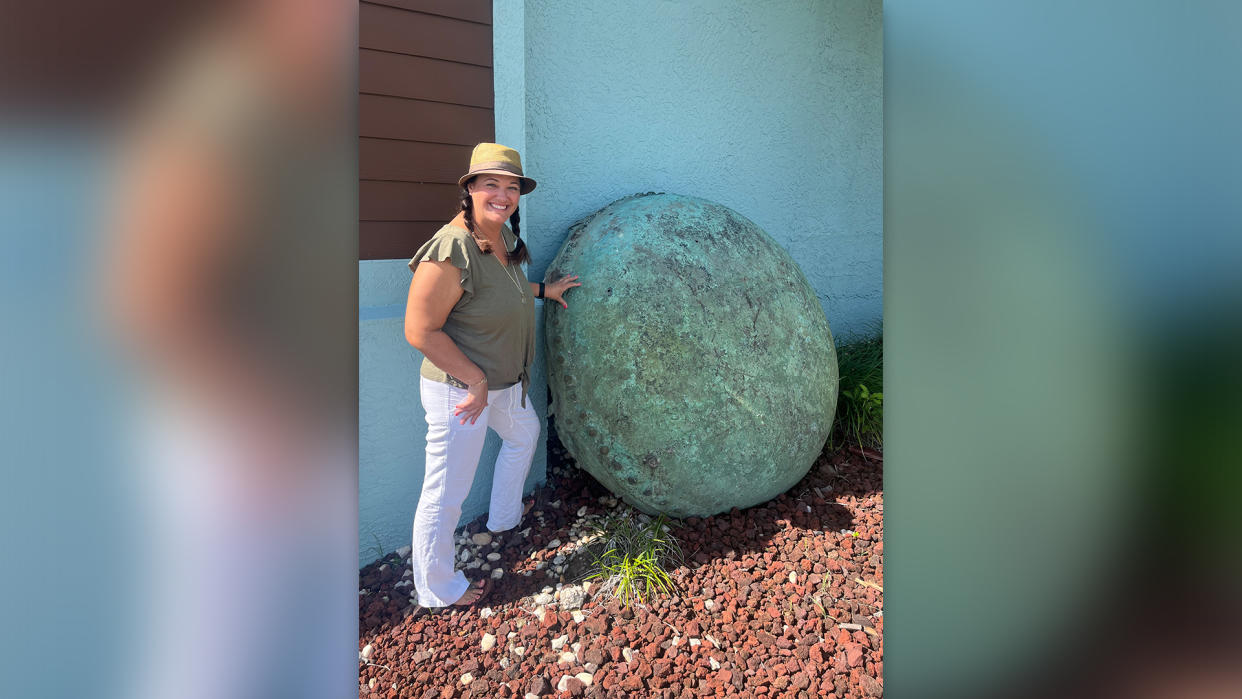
(636, 554)
(378, 548)
(860, 408)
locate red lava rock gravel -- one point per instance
(769, 604)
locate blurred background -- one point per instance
(1063, 240)
(178, 189)
(179, 198)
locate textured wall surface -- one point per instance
(509, 73)
(391, 428)
(698, 373)
(770, 108)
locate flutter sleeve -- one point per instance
(446, 247)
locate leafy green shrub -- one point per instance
(860, 408)
(635, 557)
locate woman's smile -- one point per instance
(495, 197)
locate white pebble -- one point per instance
(709, 604)
(485, 612)
(464, 555)
(567, 658)
(579, 617)
(585, 678)
(493, 557)
(793, 577)
(559, 642)
(367, 650)
(713, 662)
(482, 538)
(467, 678)
(571, 597)
(627, 654)
(372, 682)
(562, 686)
(498, 573)
(488, 643)
(694, 642)
(519, 650)
(404, 551)
(582, 510)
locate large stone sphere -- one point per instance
(694, 370)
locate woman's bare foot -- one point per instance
(472, 594)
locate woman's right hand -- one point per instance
(472, 407)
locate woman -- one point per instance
(471, 313)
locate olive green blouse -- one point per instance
(493, 323)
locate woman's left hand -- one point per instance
(556, 290)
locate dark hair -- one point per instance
(520, 253)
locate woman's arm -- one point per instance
(434, 291)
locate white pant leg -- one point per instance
(453, 451)
(518, 426)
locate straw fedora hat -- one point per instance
(495, 159)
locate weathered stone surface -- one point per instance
(694, 370)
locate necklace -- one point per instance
(512, 277)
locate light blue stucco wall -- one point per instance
(771, 108)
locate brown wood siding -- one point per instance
(425, 98)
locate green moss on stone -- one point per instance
(694, 370)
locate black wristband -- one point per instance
(540, 294)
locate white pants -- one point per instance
(453, 452)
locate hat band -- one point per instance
(496, 165)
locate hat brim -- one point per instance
(527, 183)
